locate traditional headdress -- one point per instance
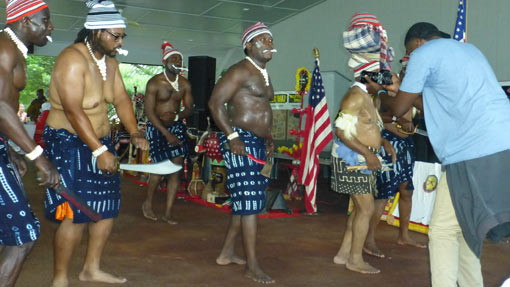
(364, 62)
(253, 31)
(17, 9)
(366, 35)
(102, 15)
(169, 50)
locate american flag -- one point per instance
(460, 26)
(318, 134)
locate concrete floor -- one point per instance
(295, 251)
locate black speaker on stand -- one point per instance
(202, 76)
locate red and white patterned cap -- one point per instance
(17, 9)
(169, 50)
(253, 31)
(361, 19)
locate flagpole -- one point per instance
(316, 55)
(466, 19)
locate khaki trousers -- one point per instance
(451, 260)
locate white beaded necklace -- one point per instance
(21, 47)
(262, 71)
(174, 84)
(101, 63)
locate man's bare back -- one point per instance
(358, 103)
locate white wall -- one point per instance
(322, 27)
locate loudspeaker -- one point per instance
(201, 75)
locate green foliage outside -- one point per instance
(138, 75)
(38, 77)
(39, 73)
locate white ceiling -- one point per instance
(195, 27)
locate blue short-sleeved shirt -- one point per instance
(466, 111)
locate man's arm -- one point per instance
(11, 126)
(402, 102)
(373, 163)
(226, 88)
(124, 109)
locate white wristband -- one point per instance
(176, 117)
(232, 136)
(99, 151)
(35, 153)
(394, 119)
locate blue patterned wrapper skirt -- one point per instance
(18, 224)
(79, 173)
(159, 148)
(389, 181)
(246, 185)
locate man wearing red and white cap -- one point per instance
(240, 107)
(28, 23)
(165, 127)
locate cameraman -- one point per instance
(467, 115)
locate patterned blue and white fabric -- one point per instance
(159, 148)
(18, 224)
(246, 185)
(389, 181)
(79, 173)
(361, 40)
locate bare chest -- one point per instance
(168, 94)
(257, 88)
(97, 91)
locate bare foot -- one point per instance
(372, 249)
(410, 242)
(148, 213)
(341, 259)
(169, 220)
(100, 276)
(225, 260)
(259, 276)
(362, 267)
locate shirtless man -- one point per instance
(399, 179)
(364, 138)
(85, 79)
(246, 124)
(165, 129)
(19, 228)
(358, 131)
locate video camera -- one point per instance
(382, 78)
